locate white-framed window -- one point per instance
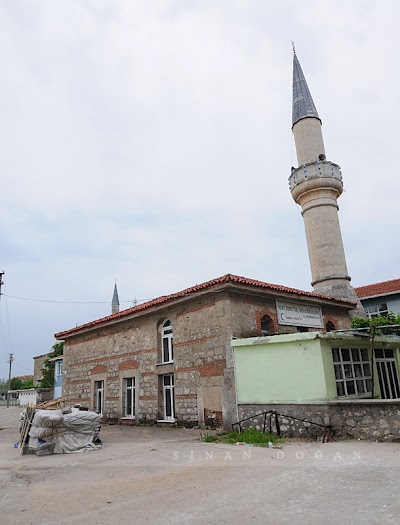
(168, 396)
(59, 368)
(387, 373)
(128, 407)
(167, 345)
(352, 371)
(99, 397)
(374, 310)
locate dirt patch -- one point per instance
(169, 477)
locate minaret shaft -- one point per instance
(316, 185)
(308, 140)
(324, 237)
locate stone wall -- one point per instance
(203, 364)
(202, 333)
(38, 364)
(356, 419)
(248, 311)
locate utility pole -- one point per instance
(10, 360)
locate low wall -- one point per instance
(361, 419)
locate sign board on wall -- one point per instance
(299, 314)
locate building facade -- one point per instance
(58, 375)
(328, 378)
(38, 364)
(170, 360)
(380, 298)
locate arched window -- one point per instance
(330, 326)
(167, 343)
(266, 325)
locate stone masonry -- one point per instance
(203, 367)
(377, 419)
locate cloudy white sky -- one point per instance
(150, 141)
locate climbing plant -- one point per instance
(48, 368)
(380, 320)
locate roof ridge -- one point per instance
(369, 290)
(224, 279)
(377, 284)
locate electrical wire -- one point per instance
(23, 367)
(72, 302)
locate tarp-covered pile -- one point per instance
(63, 431)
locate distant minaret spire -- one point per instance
(115, 300)
(316, 185)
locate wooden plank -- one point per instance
(26, 426)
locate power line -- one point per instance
(23, 367)
(71, 302)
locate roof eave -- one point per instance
(230, 286)
(121, 318)
(376, 296)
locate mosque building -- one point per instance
(205, 356)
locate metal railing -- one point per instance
(11, 402)
(274, 415)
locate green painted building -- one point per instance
(320, 376)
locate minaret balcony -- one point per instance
(314, 170)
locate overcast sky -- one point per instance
(150, 142)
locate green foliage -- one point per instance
(360, 322)
(28, 383)
(48, 369)
(3, 386)
(15, 383)
(209, 438)
(380, 320)
(250, 436)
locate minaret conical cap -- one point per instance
(115, 299)
(303, 104)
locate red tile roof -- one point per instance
(214, 283)
(371, 290)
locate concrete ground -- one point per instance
(161, 476)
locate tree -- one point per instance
(15, 383)
(28, 383)
(48, 369)
(3, 386)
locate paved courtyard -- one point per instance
(159, 476)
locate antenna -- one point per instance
(294, 49)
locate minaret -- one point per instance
(115, 301)
(316, 185)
